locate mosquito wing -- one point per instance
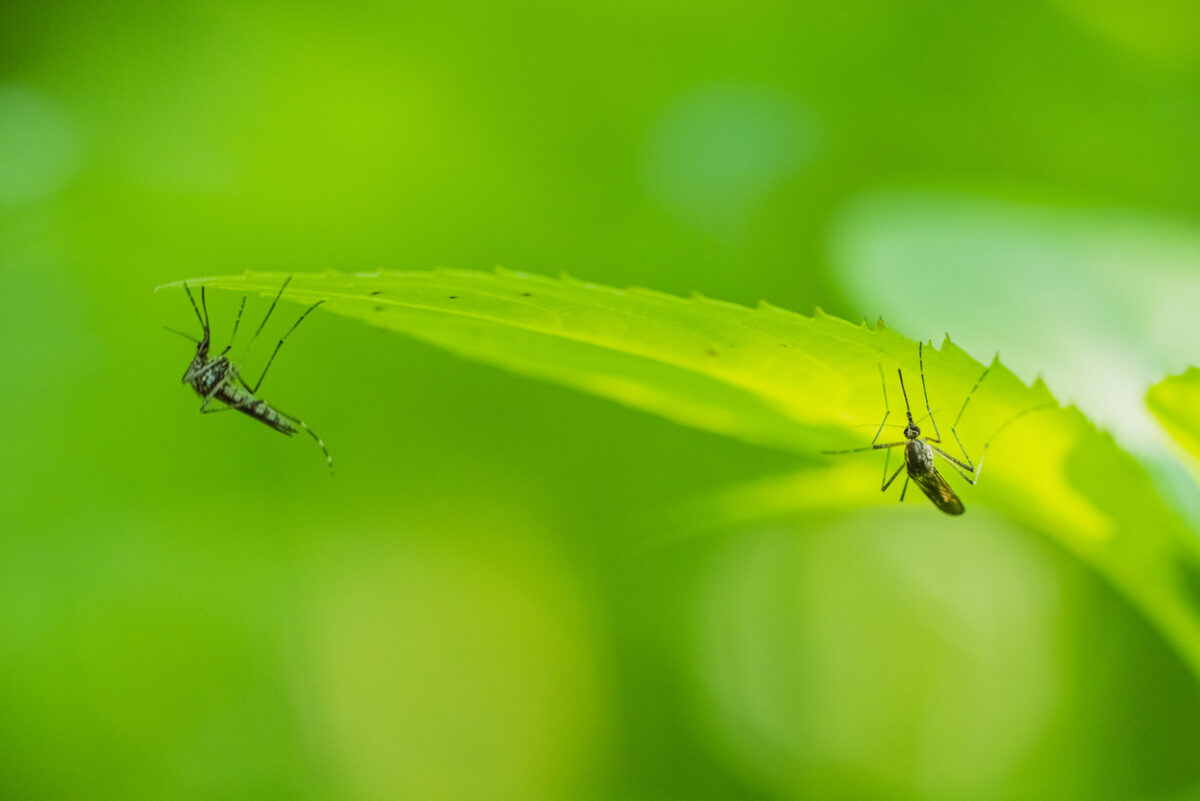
(938, 491)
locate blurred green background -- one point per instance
(191, 609)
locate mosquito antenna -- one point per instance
(195, 308)
(185, 336)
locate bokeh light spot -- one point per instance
(38, 146)
(716, 153)
(882, 656)
(447, 675)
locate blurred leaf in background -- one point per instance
(191, 608)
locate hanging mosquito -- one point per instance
(919, 451)
(218, 379)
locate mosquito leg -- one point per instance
(865, 448)
(1039, 407)
(937, 435)
(969, 474)
(954, 428)
(971, 394)
(279, 344)
(888, 483)
(227, 407)
(883, 385)
(952, 460)
(904, 489)
(263, 324)
(966, 455)
(874, 446)
(886, 408)
(236, 322)
(320, 442)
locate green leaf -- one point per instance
(804, 384)
(1175, 401)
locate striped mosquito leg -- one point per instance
(204, 410)
(320, 442)
(1039, 407)
(236, 323)
(209, 398)
(937, 435)
(263, 324)
(954, 428)
(969, 474)
(888, 483)
(279, 344)
(874, 446)
(865, 448)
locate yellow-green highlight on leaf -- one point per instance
(1175, 401)
(803, 384)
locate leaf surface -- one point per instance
(1175, 401)
(804, 384)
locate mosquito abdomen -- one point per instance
(260, 410)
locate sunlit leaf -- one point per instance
(1175, 401)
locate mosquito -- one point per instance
(919, 451)
(215, 378)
